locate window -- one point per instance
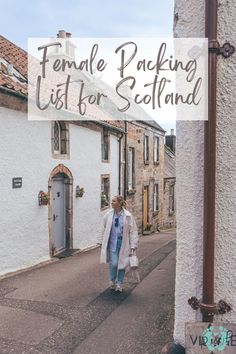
(57, 138)
(105, 191)
(156, 149)
(131, 169)
(105, 145)
(171, 199)
(146, 148)
(60, 139)
(155, 198)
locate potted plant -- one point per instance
(43, 198)
(79, 192)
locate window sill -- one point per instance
(61, 156)
(156, 163)
(155, 213)
(146, 162)
(106, 161)
(171, 213)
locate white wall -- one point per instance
(26, 152)
(190, 152)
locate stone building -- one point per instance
(145, 174)
(169, 209)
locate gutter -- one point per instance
(120, 162)
(13, 93)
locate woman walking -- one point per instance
(118, 239)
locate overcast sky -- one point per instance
(86, 18)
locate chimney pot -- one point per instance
(172, 132)
(61, 34)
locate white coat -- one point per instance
(130, 238)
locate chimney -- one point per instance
(61, 34)
(68, 48)
(171, 140)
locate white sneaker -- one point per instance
(112, 285)
(119, 288)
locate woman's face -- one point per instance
(115, 203)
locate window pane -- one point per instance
(105, 192)
(57, 137)
(105, 145)
(131, 168)
(146, 148)
(155, 197)
(156, 149)
(171, 199)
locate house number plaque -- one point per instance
(16, 182)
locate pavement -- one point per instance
(65, 307)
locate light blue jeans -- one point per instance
(113, 265)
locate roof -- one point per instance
(170, 171)
(12, 55)
(153, 124)
(16, 80)
(114, 101)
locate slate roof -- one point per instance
(170, 171)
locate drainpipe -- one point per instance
(120, 137)
(210, 167)
(125, 167)
(207, 306)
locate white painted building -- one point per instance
(190, 22)
(54, 157)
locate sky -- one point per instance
(86, 18)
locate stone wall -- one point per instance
(146, 174)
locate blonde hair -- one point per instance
(121, 200)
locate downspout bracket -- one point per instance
(226, 50)
(210, 309)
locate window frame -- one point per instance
(103, 176)
(155, 198)
(146, 149)
(64, 140)
(156, 150)
(171, 199)
(103, 132)
(131, 190)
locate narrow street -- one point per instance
(65, 306)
